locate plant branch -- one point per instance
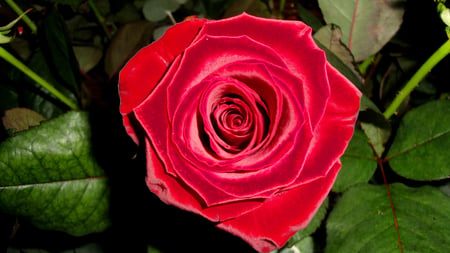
(434, 59)
(282, 4)
(100, 18)
(20, 12)
(35, 77)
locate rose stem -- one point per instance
(434, 59)
(35, 77)
(25, 18)
(282, 3)
(172, 19)
(100, 18)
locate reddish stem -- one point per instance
(380, 162)
(350, 44)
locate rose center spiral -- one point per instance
(234, 117)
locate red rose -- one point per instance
(243, 120)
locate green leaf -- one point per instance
(157, 10)
(376, 128)
(362, 220)
(305, 245)
(309, 18)
(330, 36)
(88, 56)
(12, 23)
(35, 97)
(358, 163)
(366, 103)
(420, 150)
(49, 176)
(5, 39)
(256, 8)
(59, 52)
(312, 226)
(87, 248)
(126, 42)
(341, 66)
(366, 25)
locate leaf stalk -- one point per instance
(20, 12)
(35, 77)
(429, 64)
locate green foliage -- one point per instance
(49, 176)
(366, 25)
(362, 220)
(420, 150)
(358, 163)
(56, 43)
(36, 98)
(157, 10)
(73, 3)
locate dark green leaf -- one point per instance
(309, 18)
(376, 128)
(312, 226)
(88, 56)
(330, 36)
(8, 97)
(58, 50)
(341, 66)
(366, 103)
(38, 99)
(125, 43)
(366, 25)
(48, 175)
(358, 163)
(214, 9)
(362, 220)
(88, 248)
(157, 10)
(252, 7)
(420, 150)
(73, 3)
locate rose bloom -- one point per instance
(243, 120)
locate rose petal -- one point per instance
(335, 129)
(173, 191)
(280, 217)
(292, 40)
(135, 81)
(272, 166)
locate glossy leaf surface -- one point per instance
(49, 176)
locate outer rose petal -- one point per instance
(335, 129)
(171, 190)
(147, 67)
(135, 81)
(271, 225)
